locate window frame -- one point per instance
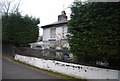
(53, 33)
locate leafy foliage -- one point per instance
(19, 30)
(95, 29)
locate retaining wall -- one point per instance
(85, 72)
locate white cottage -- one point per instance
(54, 35)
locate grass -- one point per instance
(49, 72)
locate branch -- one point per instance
(16, 7)
(9, 6)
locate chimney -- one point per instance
(62, 16)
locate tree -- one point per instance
(9, 6)
(19, 30)
(95, 28)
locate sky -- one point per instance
(46, 10)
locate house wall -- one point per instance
(80, 71)
(59, 30)
(66, 31)
(46, 34)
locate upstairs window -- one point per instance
(53, 33)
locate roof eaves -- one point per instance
(55, 24)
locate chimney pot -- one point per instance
(62, 16)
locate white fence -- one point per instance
(85, 72)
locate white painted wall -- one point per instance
(85, 72)
(46, 32)
(59, 32)
(66, 31)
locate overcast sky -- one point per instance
(46, 10)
